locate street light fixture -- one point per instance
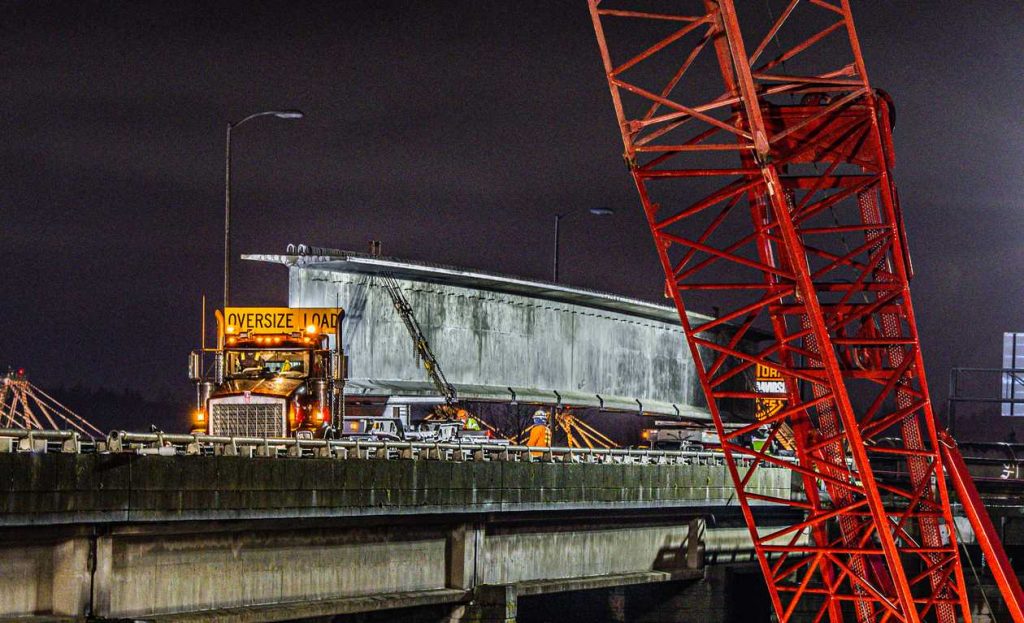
(280, 114)
(558, 220)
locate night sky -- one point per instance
(452, 131)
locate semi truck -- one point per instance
(274, 373)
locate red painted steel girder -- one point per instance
(765, 179)
(984, 529)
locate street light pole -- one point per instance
(558, 220)
(280, 114)
(227, 216)
(554, 269)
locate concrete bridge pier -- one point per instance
(71, 575)
(489, 604)
(698, 593)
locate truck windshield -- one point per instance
(261, 364)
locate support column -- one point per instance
(464, 543)
(490, 604)
(102, 577)
(695, 544)
(71, 577)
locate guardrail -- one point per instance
(21, 440)
(166, 444)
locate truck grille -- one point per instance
(248, 420)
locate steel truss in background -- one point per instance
(578, 433)
(764, 174)
(25, 406)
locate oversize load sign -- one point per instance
(281, 319)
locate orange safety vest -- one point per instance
(540, 437)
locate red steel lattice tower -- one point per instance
(762, 156)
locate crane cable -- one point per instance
(974, 571)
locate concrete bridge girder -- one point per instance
(496, 335)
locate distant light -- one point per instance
(602, 211)
(311, 329)
(289, 114)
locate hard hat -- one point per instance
(540, 416)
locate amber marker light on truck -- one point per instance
(311, 329)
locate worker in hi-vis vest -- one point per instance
(540, 434)
(468, 421)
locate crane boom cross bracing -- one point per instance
(764, 175)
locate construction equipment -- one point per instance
(25, 406)
(765, 178)
(450, 410)
(579, 433)
(273, 374)
(421, 347)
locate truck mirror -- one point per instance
(195, 367)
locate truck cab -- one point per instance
(274, 374)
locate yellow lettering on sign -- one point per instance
(766, 373)
(281, 319)
(768, 380)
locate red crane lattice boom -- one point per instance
(765, 179)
